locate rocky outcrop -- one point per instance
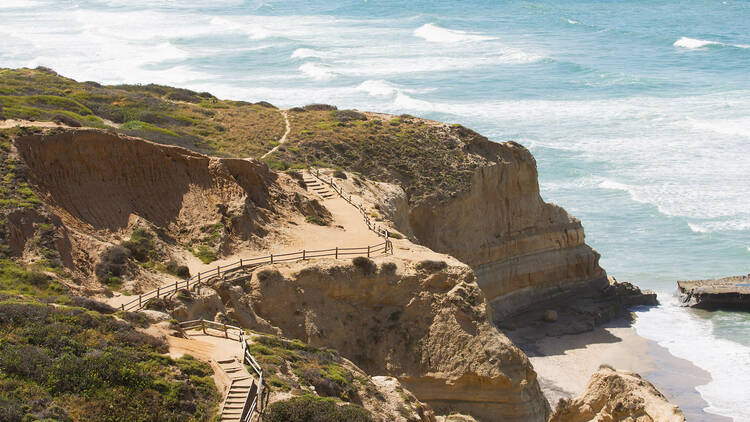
(724, 293)
(617, 396)
(521, 248)
(574, 313)
(426, 325)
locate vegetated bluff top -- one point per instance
(427, 158)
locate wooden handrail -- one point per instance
(248, 408)
(348, 198)
(206, 277)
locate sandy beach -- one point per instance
(564, 365)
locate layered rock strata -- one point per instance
(521, 248)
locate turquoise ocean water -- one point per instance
(638, 112)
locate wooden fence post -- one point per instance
(271, 258)
(176, 286)
(368, 251)
(157, 292)
(123, 306)
(240, 262)
(203, 326)
(303, 254)
(218, 270)
(337, 252)
(226, 334)
(139, 301)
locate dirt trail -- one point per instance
(283, 138)
(7, 124)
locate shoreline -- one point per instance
(565, 364)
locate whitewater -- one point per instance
(637, 114)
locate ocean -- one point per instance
(638, 112)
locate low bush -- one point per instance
(205, 254)
(388, 268)
(314, 219)
(367, 265)
(339, 174)
(63, 363)
(181, 271)
(320, 107)
(395, 235)
(266, 104)
(66, 120)
(309, 408)
(347, 115)
(431, 266)
(141, 245)
(112, 263)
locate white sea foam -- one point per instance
(433, 33)
(694, 44)
(697, 228)
(19, 4)
(304, 53)
(690, 337)
(317, 72)
(738, 126)
(572, 22)
(379, 88)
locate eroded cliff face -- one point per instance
(617, 396)
(101, 186)
(425, 324)
(521, 248)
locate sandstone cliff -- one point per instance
(522, 249)
(617, 396)
(424, 323)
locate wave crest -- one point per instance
(695, 44)
(433, 33)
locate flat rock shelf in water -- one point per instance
(731, 293)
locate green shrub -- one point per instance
(205, 254)
(65, 363)
(395, 235)
(309, 408)
(141, 245)
(339, 174)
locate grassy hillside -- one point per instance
(428, 159)
(159, 113)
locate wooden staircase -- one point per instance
(241, 387)
(315, 185)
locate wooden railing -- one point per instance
(377, 228)
(207, 277)
(252, 401)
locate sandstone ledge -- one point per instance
(723, 293)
